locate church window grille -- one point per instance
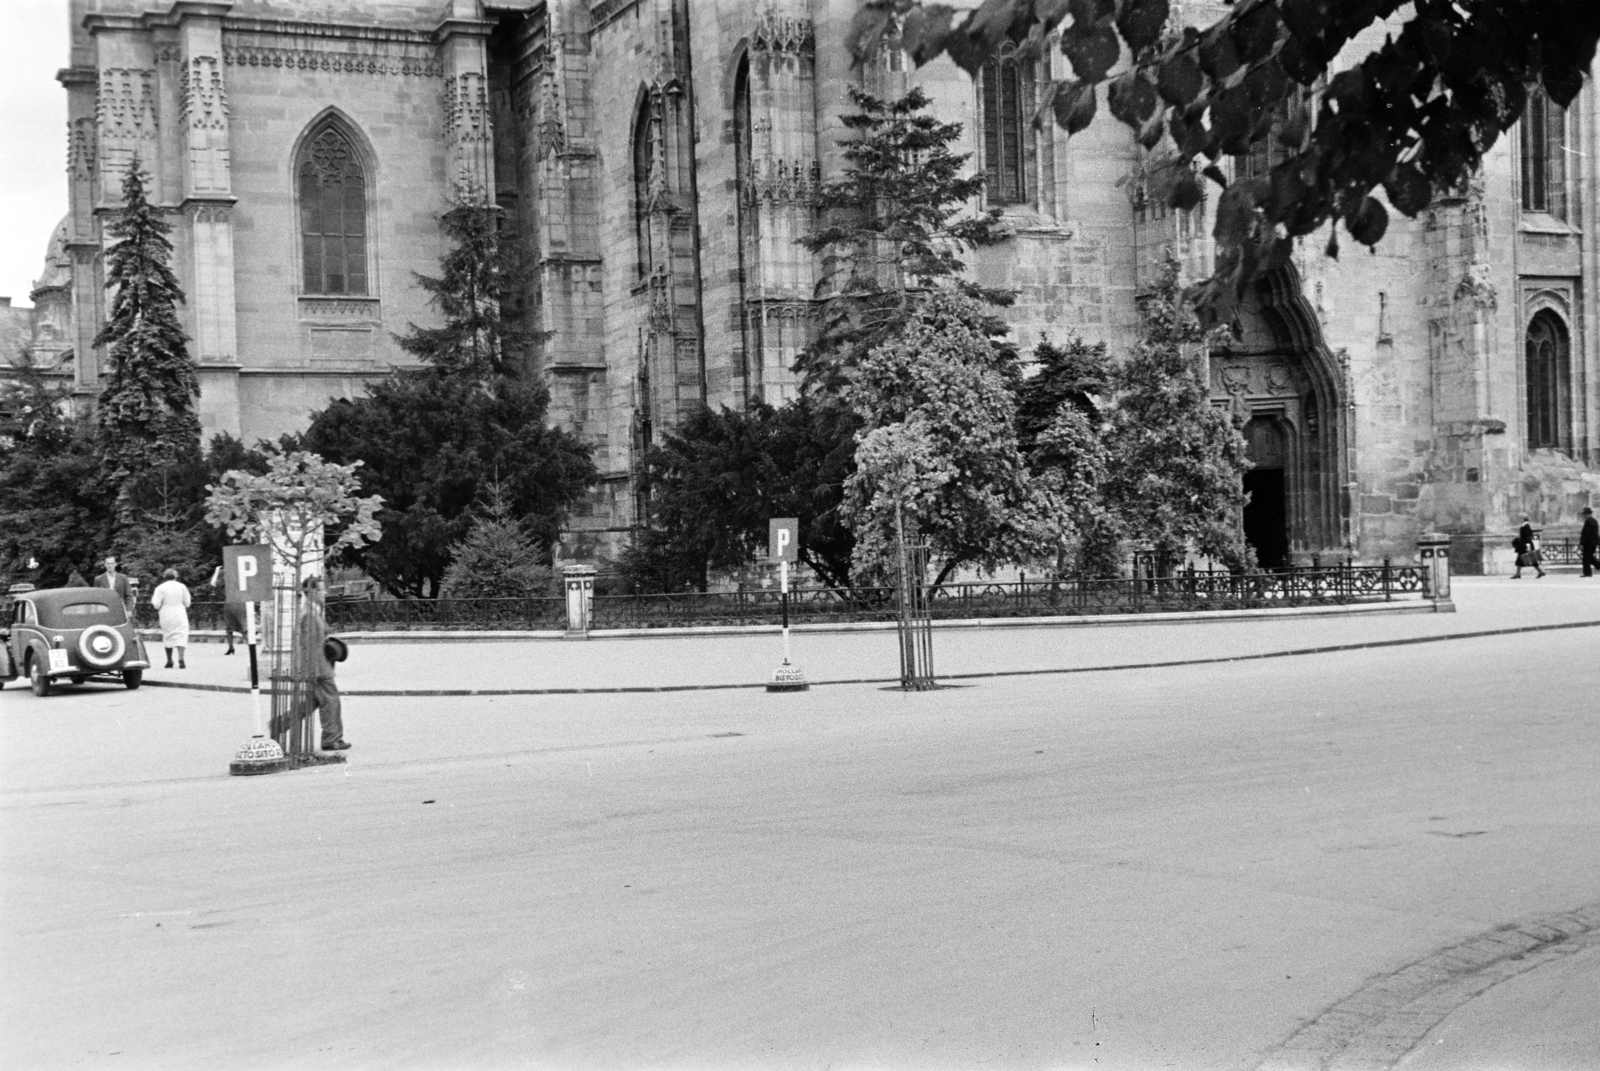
(1544, 156)
(1002, 85)
(1548, 370)
(333, 215)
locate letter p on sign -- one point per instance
(783, 539)
(247, 574)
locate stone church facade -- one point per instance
(657, 159)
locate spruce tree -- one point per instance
(498, 559)
(1178, 478)
(147, 414)
(895, 226)
(478, 292)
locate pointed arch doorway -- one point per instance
(1281, 380)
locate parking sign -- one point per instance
(247, 574)
(783, 539)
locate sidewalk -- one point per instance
(1484, 605)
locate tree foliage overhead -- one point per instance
(476, 292)
(147, 411)
(893, 226)
(1412, 118)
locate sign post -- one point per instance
(783, 547)
(247, 577)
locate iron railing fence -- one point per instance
(395, 615)
(1333, 585)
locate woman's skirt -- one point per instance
(174, 626)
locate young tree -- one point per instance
(895, 226)
(429, 443)
(1178, 481)
(715, 483)
(940, 452)
(293, 506)
(477, 292)
(497, 559)
(1413, 118)
(147, 412)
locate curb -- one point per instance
(646, 689)
(1412, 606)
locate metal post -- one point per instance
(1388, 590)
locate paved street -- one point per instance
(1373, 858)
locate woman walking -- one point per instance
(171, 600)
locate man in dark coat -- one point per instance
(117, 582)
(1589, 542)
(1527, 550)
(311, 653)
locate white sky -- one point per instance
(33, 138)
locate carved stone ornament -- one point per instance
(785, 35)
(1235, 378)
(1279, 378)
(415, 64)
(205, 102)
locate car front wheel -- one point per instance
(132, 678)
(36, 676)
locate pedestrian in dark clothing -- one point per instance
(1589, 542)
(311, 642)
(76, 580)
(117, 582)
(1527, 547)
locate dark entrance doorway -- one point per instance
(1266, 517)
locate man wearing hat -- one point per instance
(318, 652)
(1589, 542)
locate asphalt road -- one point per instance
(1364, 859)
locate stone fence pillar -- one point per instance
(1434, 550)
(580, 599)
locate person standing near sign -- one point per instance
(171, 601)
(311, 643)
(117, 582)
(233, 613)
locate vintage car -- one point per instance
(70, 634)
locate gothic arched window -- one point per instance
(1544, 155)
(1548, 372)
(645, 153)
(332, 187)
(1002, 88)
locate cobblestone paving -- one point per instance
(1375, 1027)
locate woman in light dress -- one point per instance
(171, 600)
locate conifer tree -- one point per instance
(895, 226)
(498, 559)
(478, 292)
(147, 415)
(1178, 480)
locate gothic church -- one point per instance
(657, 159)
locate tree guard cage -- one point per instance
(914, 618)
(293, 723)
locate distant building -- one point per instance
(657, 159)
